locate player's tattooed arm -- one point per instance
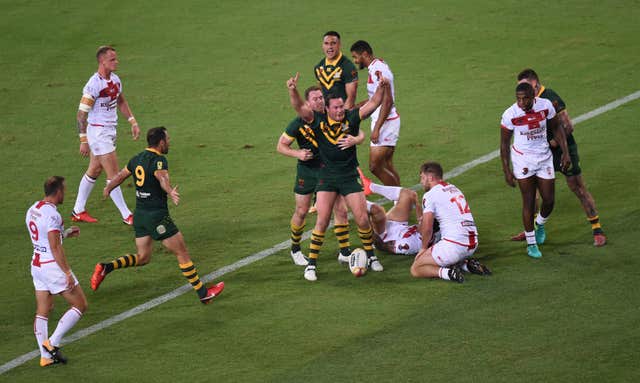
(560, 137)
(565, 121)
(116, 181)
(82, 123)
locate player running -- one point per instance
(309, 165)
(151, 219)
(51, 272)
(526, 122)
(97, 121)
(573, 174)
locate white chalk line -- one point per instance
(272, 250)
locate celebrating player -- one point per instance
(531, 158)
(450, 256)
(151, 219)
(385, 121)
(97, 121)
(309, 164)
(335, 134)
(51, 272)
(573, 174)
(336, 73)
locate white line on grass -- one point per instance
(272, 250)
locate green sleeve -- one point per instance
(161, 163)
(131, 165)
(555, 99)
(349, 71)
(292, 128)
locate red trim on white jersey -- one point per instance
(472, 241)
(516, 150)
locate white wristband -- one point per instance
(131, 119)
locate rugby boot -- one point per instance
(599, 240)
(82, 217)
(54, 351)
(299, 258)
(212, 292)
(533, 251)
(541, 235)
(98, 276)
(366, 182)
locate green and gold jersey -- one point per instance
(149, 193)
(558, 105)
(334, 75)
(305, 137)
(337, 162)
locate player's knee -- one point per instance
(414, 271)
(301, 212)
(408, 193)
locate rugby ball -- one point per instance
(358, 262)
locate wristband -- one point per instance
(68, 272)
(131, 119)
(83, 137)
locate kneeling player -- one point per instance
(450, 256)
(51, 272)
(151, 219)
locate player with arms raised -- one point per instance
(51, 272)
(151, 219)
(97, 122)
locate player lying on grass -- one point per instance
(393, 234)
(151, 219)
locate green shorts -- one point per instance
(342, 185)
(574, 169)
(306, 179)
(156, 223)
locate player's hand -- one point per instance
(105, 192)
(375, 135)
(175, 196)
(71, 282)
(510, 179)
(305, 154)
(135, 130)
(84, 149)
(383, 81)
(346, 142)
(565, 162)
(292, 82)
(71, 232)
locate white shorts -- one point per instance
(527, 165)
(102, 139)
(447, 253)
(389, 132)
(50, 277)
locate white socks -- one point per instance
(118, 199)
(86, 186)
(41, 331)
(443, 273)
(531, 237)
(540, 220)
(389, 192)
(68, 320)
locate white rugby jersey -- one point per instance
(105, 93)
(378, 67)
(42, 218)
(409, 241)
(529, 128)
(451, 210)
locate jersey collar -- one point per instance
(334, 62)
(332, 121)
(152, 150)
(541, 90)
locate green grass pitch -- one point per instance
(214, 73)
